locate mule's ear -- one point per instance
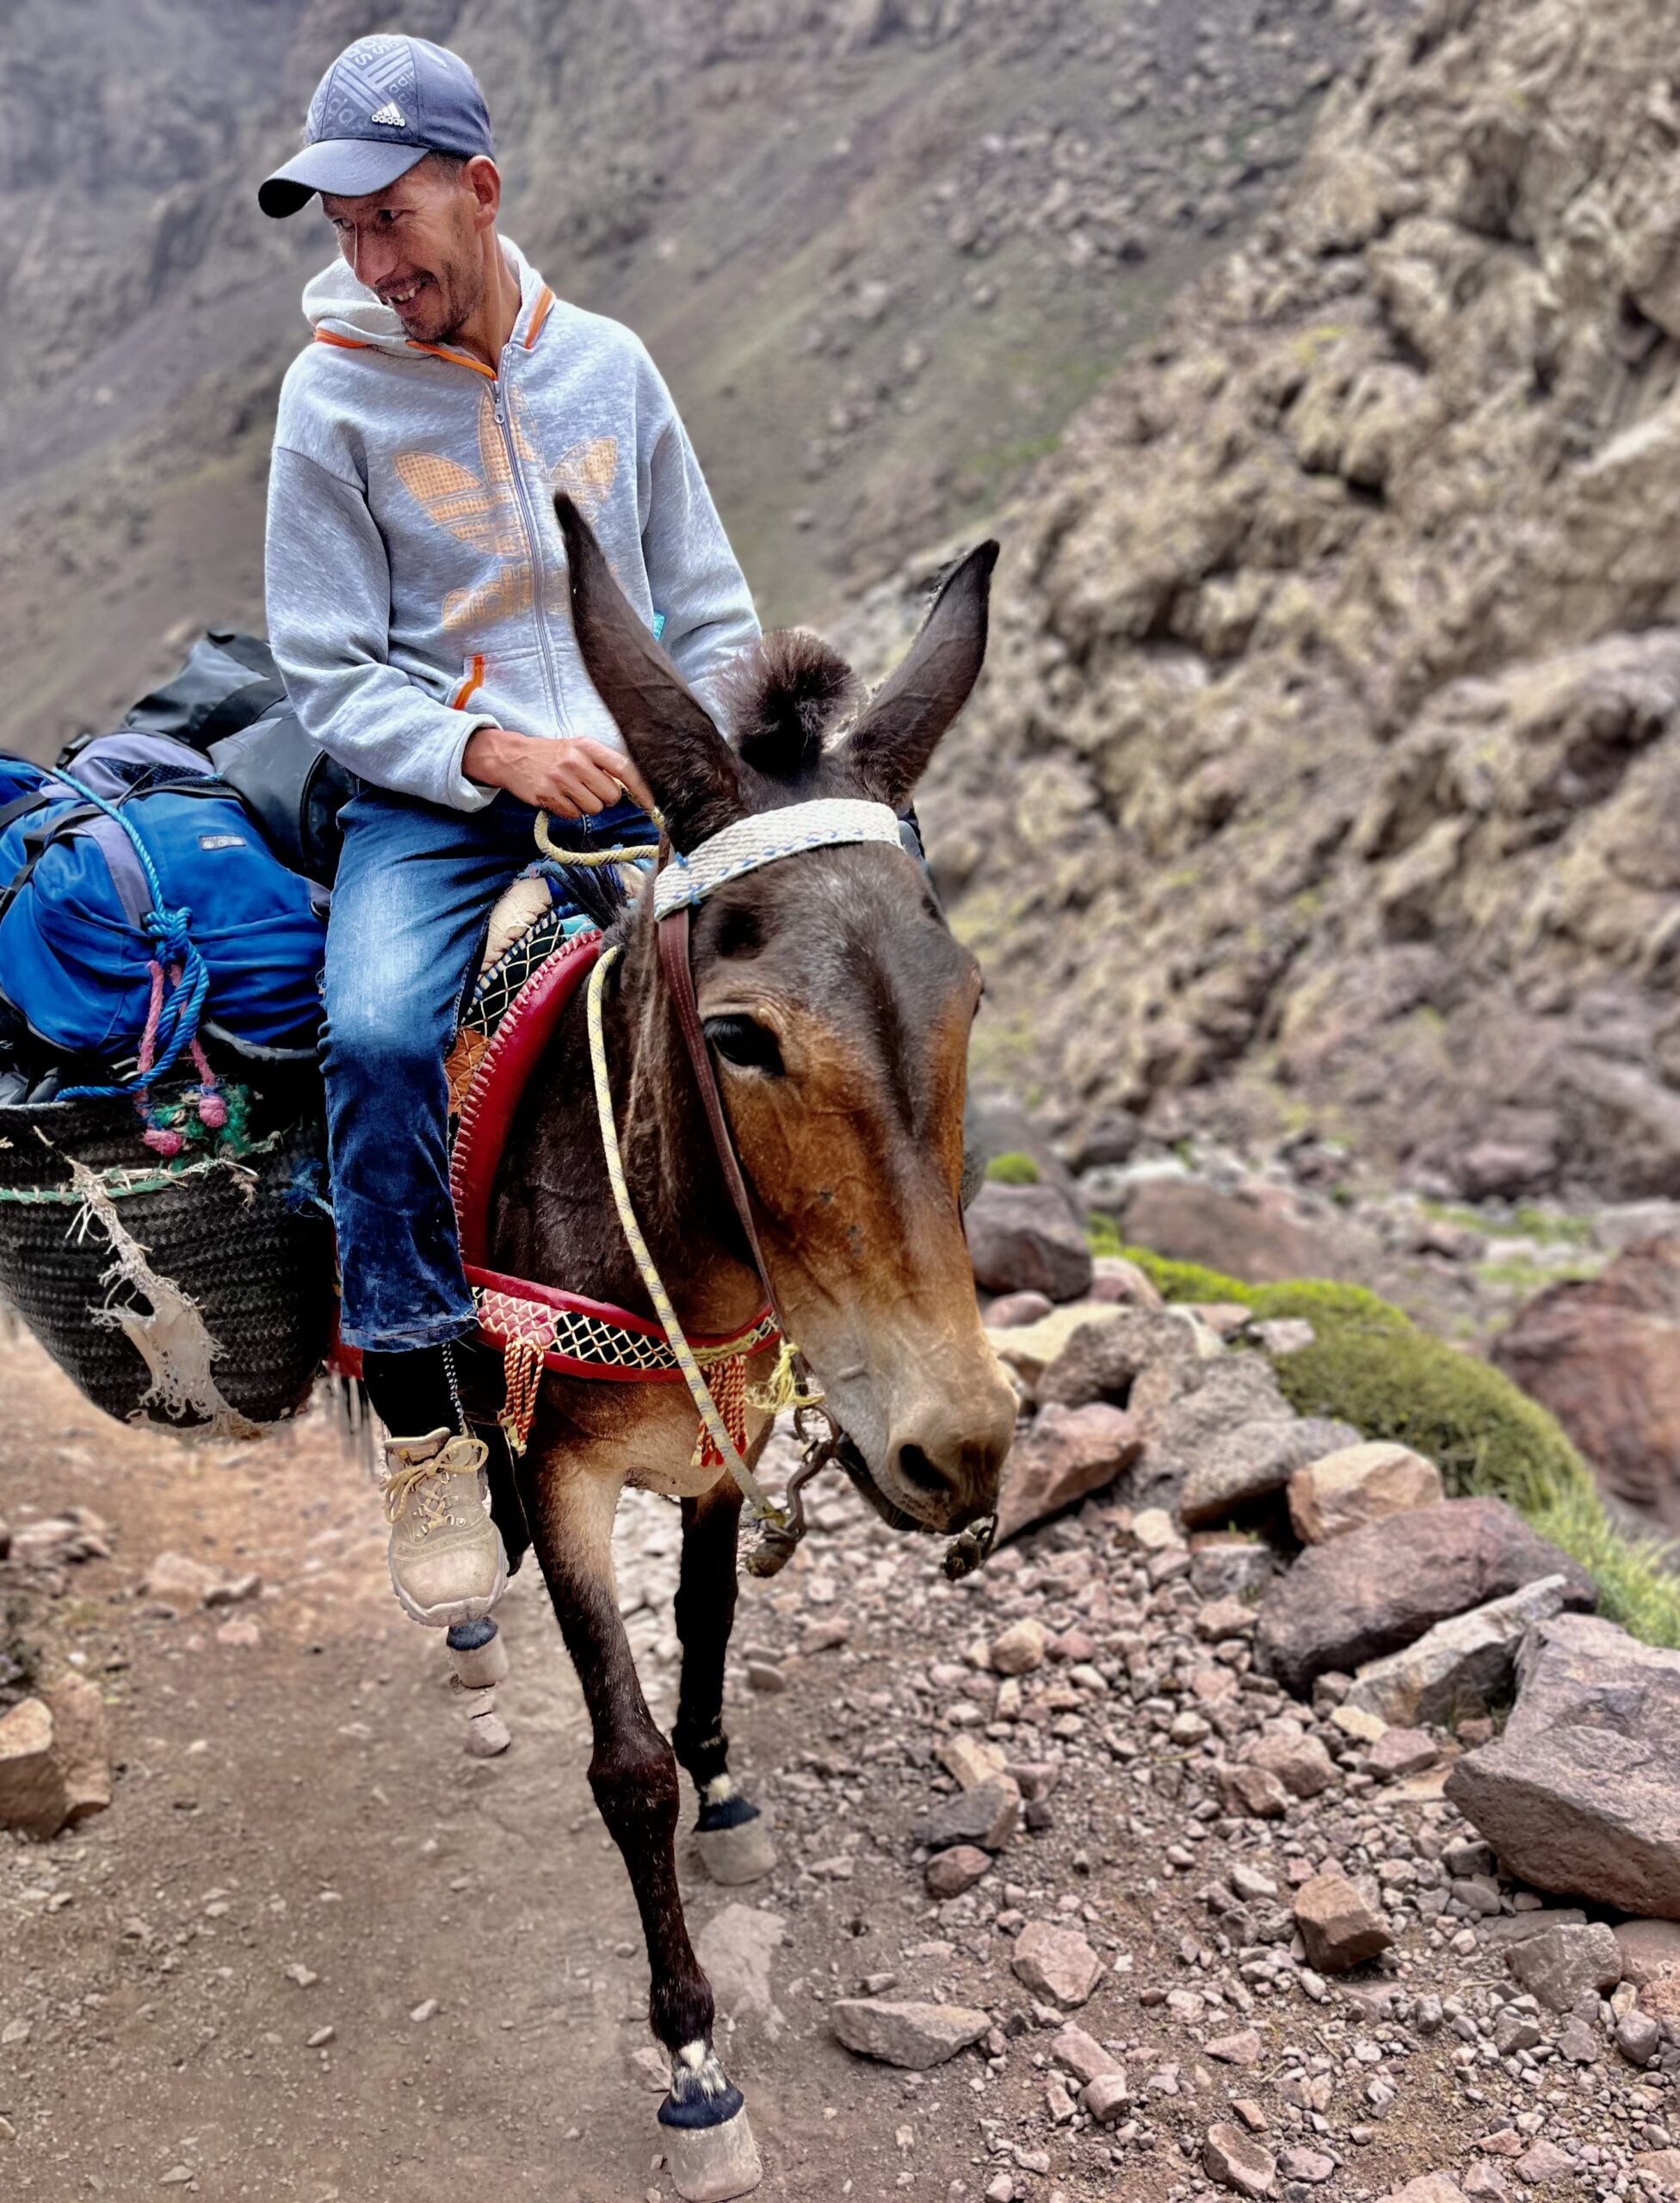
(694, 773)
(890, 746)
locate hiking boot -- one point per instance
(447, 1564)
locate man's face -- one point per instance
(416, 245)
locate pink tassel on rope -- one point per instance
(158, 1138)
(211, 1107)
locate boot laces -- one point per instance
(421, 1486)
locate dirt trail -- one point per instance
(303, 1802)
(306, 1802)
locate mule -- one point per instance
(837, 1006)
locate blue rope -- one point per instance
(171, 943)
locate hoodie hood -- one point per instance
(334, 304)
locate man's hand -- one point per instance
(573, 776)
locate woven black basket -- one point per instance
(234, 1225)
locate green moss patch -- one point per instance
(1012, 1170)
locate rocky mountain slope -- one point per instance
(881, 248)
(1328, 770)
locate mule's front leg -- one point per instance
(632, 1774)
(733, 1839)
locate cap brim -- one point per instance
(348, 168)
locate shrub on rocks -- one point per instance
(1370, 1366)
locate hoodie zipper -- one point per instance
(533, 541)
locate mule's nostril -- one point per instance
(918, 1472)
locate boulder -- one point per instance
(1339, 1925)
(81, 1746)
(1012, 1312)
(33, 1796)
(970, 1760)
(1375, 1591)
(1234, 2159)
(178, 1578)
(1399, 1752)
(1246, 1464)
(987, 1814)
(1428, 2188)
(1019, 1648)
(1056, 1963)
(1581, 1792)
(948, 1873)
(1359, 1485)
(1458, 1666)
(1255, 1791)
(914, 2036)
(1562, 1965)
(1603, 1353)
(1068, 1453)
(1651, 1961)
(1247, 1234)
(1029, 1349)
(1115, 1279)
(1300, 1763)
(55, 1539)
(1083, 2055)
(1102, 1358)
(1106, 2097)
(1027, 1239)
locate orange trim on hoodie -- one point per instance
(344, 343)
(460, 359)
(539, 316)
(474, 680)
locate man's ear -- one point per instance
(890, 746)
(694, 773)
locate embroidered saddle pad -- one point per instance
(540, 948)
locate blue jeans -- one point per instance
(415, 887)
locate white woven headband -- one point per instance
(822, 824)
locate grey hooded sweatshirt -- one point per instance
(416, 586)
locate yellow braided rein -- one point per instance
(635, 854)
(763, 1508)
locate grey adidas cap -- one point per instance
(384, 105)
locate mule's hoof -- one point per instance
(486, 1731)
(709, 2164)
(742, 1853)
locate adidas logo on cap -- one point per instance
(390, 115)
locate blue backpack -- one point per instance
(139, 902)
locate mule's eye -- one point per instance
(746, 1043)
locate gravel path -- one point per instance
(315, 1951)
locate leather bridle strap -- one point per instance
(674, 956)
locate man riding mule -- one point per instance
(416, 609)
(755, 1098)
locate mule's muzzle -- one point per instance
(943, 1465)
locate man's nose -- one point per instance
(373, 260)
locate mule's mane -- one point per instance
(783, 697)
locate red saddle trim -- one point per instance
(498, 1086)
